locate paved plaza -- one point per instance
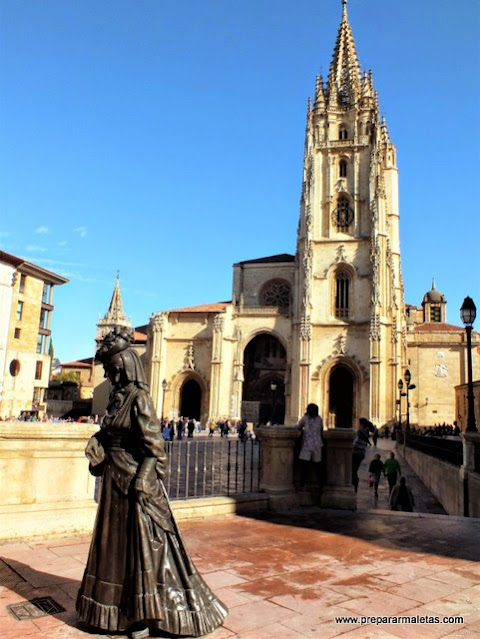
(294, 575)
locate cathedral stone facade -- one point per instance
(325, 325)
(328, 324)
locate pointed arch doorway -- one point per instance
(190, 399)
(265, 362)
(341, 396)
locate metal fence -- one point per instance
(446, 449)
(208, 467)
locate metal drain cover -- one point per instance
(39, 607)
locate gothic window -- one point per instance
(343, 168)
(275, 293)
(342, 295)
(343, 214)
(342, 133)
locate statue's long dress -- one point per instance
(138, 570)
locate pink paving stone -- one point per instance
(269, 587)
(231, 597)
(221, 579)
(424, 590)
(275, 631)
(368, 632)
(303, 601)
(469, 595)
(73, 550)
(321, 626)
(254, 615)
(403, 573)
(469, 568)
(376, 605)
(422, 631)
(456, 578)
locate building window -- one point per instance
(342, 133)
(21, 286)
(16, 333)
(343, 214)
(44, 315)
(343, 168)
(342, 295)
(275, 293)
(435, 314)
(37, 396)
(19, 311)
(47, 293)
(42, 344)
(14, 367)
(38, 370)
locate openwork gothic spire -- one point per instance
(115, 314)
(344, 75)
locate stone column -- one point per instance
(276, 462)
(468, 475)
(338, 491)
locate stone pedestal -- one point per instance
(276, 459)
(338, 491)
(470, 473)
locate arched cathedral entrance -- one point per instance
(190, 399)
(265, 361)
(341, 396)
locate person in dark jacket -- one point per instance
(401, 497)
(375, 469)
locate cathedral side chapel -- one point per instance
(328, 324)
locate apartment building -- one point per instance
(26, 303)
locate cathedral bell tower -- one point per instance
(348, 300)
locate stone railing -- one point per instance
(457, 487)
(278, 462)
(262, 310)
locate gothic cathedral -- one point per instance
(328, 324)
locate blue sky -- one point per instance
(164, 139)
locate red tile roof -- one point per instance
(437, 327)
(78, 364)
(216, 307)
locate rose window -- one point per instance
(276, 293)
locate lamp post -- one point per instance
(164, 388)
(408, 377)
(468, 313)
(273, 388)
(399, 401)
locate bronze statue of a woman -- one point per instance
(139, 576)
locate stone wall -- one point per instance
(442, 479)
(48, 491)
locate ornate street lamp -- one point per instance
(399, 401)
(164, 388)
(468, 313)
(408, 377)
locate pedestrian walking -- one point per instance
(392, 470)
(401, 497)
(375, 469)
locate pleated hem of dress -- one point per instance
(98, 615)
(193, 623)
